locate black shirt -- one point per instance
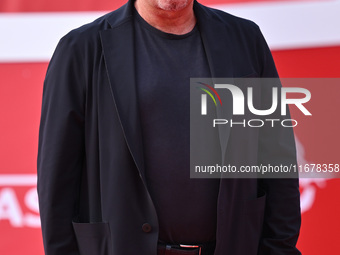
(186, 208)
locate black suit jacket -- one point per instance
(92, 193)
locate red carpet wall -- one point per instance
(303, 35)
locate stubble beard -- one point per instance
(172, 5)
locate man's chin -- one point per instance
(172, 5)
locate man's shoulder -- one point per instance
(90, 32)
(230, 21)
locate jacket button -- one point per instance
(146, 227)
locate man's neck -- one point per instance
(178, 22)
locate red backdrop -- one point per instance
(20, 99)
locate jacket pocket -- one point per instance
(93, 238)
(251, 75)
(240, 225)
(254, 211)
(252, 217)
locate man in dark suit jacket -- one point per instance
(96, 185)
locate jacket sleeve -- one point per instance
(61, 147)
(282, 217)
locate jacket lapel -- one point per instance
(118, 49)
(218, 51)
